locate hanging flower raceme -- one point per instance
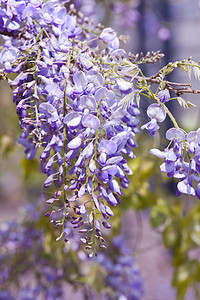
(78, 109)
(182, 160)
(69, 108)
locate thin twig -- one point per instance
(169, 84)
(183, 90)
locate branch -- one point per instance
(182, 91)
(169, 84)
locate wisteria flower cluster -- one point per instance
(43, 275)
(68, 105)
(16, 241)
(182, 160)
(77, 96)
(122, 273)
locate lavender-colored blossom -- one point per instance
(29, 145)
(123, 274)
(158, 153)
(157, 112)
(123, 85)
(7, 57)
(108, 147)
(164, 95)
(63, 41)
(175, 162)
(91, 121)
(185, 187)
(107, 35)
(88, 150)
(114, 186)
(72, 120)
(103, 94)
(152, 126)
(75, 143)
(114, 44)
(175, 134)
(92, 166)
(88, 102)
(194, 136)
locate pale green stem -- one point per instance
(65, 147)
(158, 100)
(65, 164)
(93, 182)
(88, 30)
(36, 107)
(171, 116)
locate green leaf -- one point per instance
(168, 69)
(195, 232)
(196, 71)
(30, 164)
(137, 99)
(190, 105)
(181, 281)
(184, 103)
(188, 70)
(185, 275)
(127, 100)
(6, 145)
(181, 101)
(135, 73)
(163, 84)
(170, 236)
(158, 215)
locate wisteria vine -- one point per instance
(77, 96)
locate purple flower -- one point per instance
(108, 35)
(175, 134)
(124, 86)
(90, 121)
(164, 95)
(70, 109)
(152, 126)
(114, 44)
(73, 120)
(50, 113)
(75, 143)
(105, 95)
(13, 25)
(107, 147)
(109, 197)
(7, 57)
(114, 186)
(157, 112)
(185, 187)
(88, 150)
(29, 145)
(194, 136)
(197, 191)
